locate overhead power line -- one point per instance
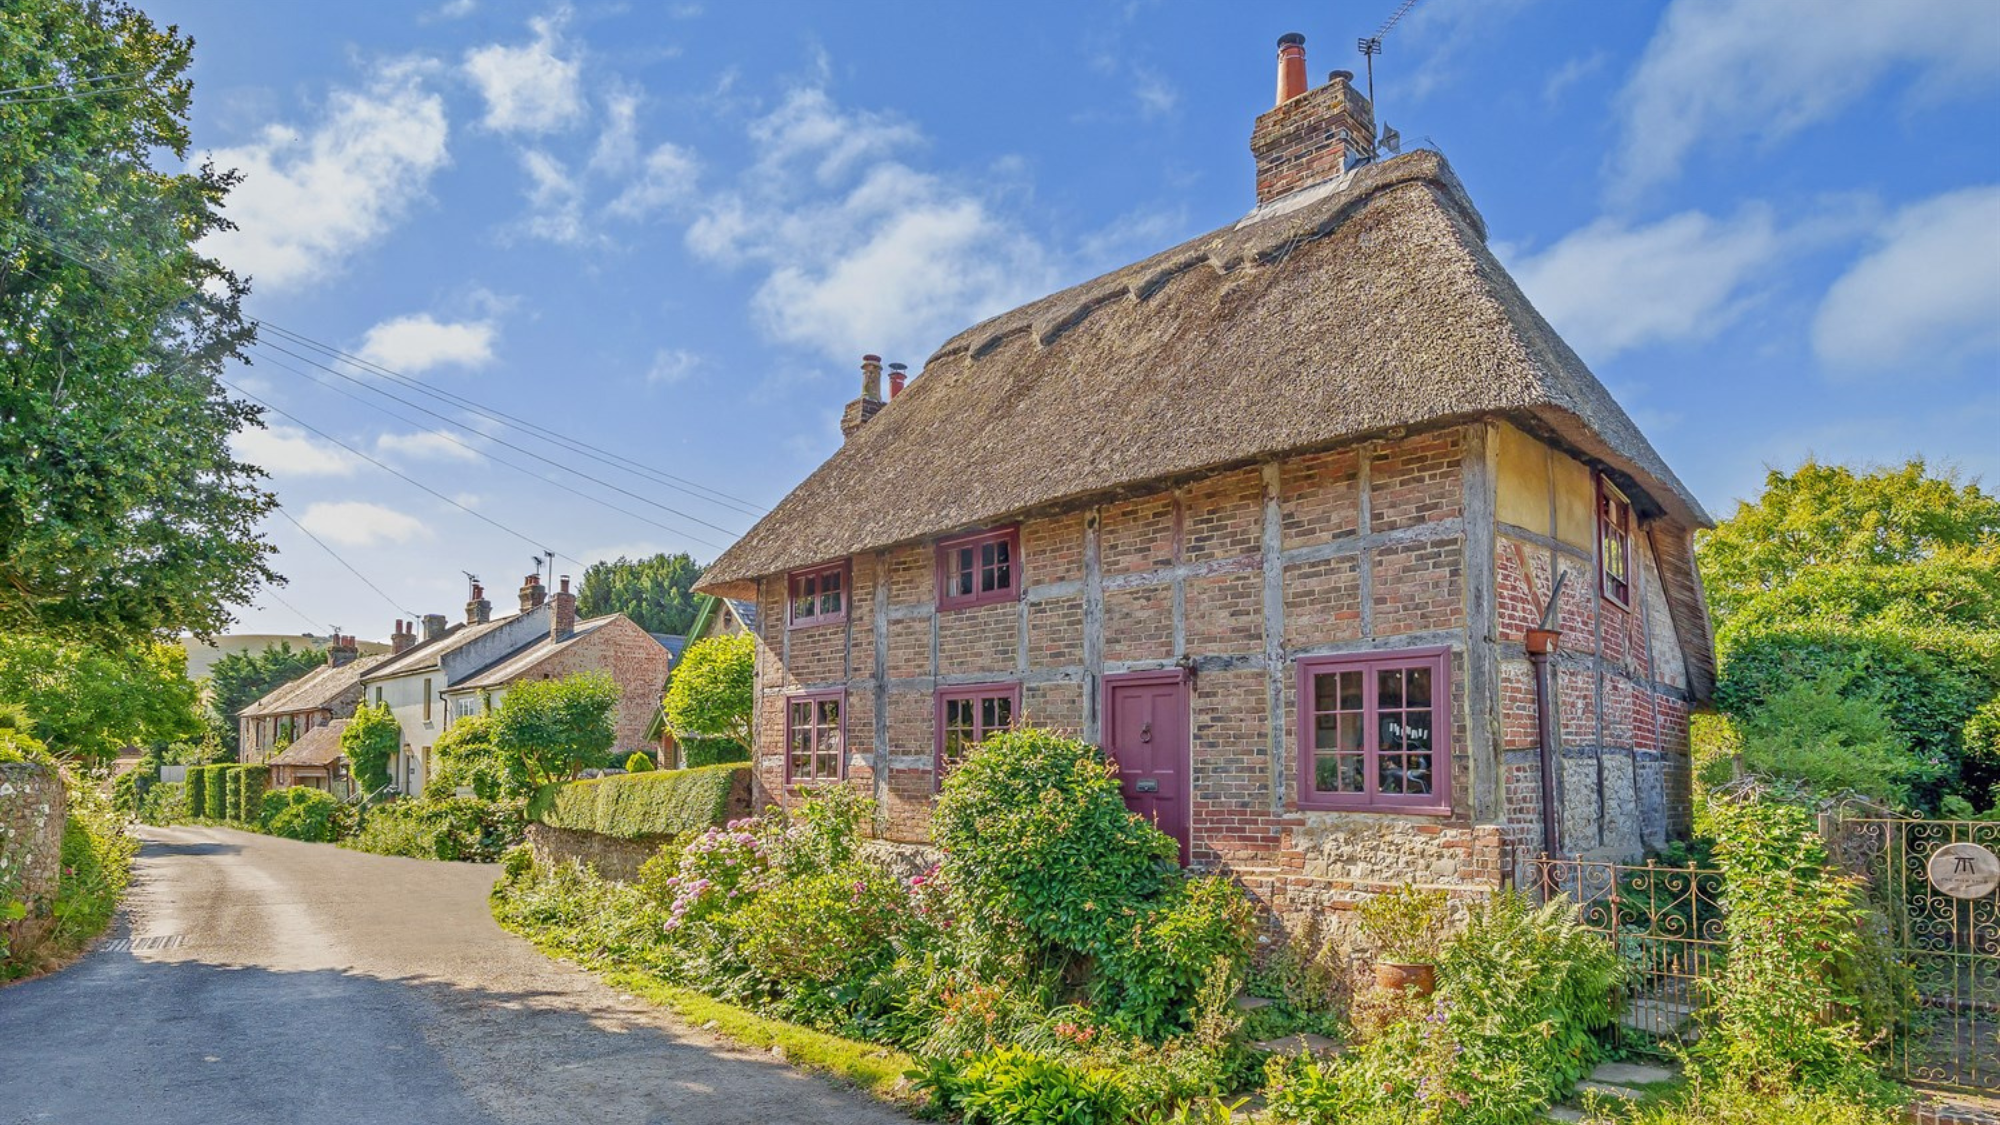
(280, 364)
(351, 568)
(72, 82)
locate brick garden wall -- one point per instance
(1385, 545)
(33, 807)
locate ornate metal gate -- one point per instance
(1938, 881)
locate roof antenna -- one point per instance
(1370, 46)
(471, 580)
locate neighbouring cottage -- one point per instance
(713, 617)
(1276, 517)
(314, 761)
(289, 712)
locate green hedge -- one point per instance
(215, 794)
(232, 793)
(250, 792)
(300, 813)
(197, 781)
(637, 805)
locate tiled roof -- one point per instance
(425, 655)
(319, 746)
(506, 669)
(321, 687)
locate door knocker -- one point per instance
(1146, 733)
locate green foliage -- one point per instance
(197, 791)
(165, 803)
(1521, 993)
(215, 791)
(1149, 976)
(818, 938)
(453, 828)
(1407, 925)
(239, 679)
(1729, 1102)
(123, 514)
(547, 730)
(713, 691)
(1012, 1086)
(368, 741)
(1779, 1017)
(301, 813)
(467, 756)
(17, 740)
(1829, 737)
(95, 868)
(698, 752)
(639, 762)
(232, 792)
(655, 592)
(89, 702)
(638, 806)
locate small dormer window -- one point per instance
(979, 569)
(819, 595)
(1614, 543)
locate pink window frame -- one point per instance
(840, 732)
(1609, 500)
(1435, 803)
(975, 692)
(1009, 535)
(796, 577)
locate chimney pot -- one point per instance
(861, 409)
(562, 622)
(1291, 66)
(533, 593)
(434, 626)
(1340, 76)
(899, 374)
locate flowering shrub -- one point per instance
(715, 871)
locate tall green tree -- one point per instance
(547, 730)
(88, 702)
(1880, 586)
(658, 592)
(122, 512)
(242, 678)
(712, 693)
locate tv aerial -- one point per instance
(1370, 46)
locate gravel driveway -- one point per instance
(272, 982)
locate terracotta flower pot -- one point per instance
(1396, 978)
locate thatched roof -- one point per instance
(321, 687)
(1344, 310)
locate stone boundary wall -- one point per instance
(33, 807)
(614, 857)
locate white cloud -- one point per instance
(1719, 71)
(1572, 72)
(455, 9)
(311, 198)
(410, 345)
(1157, 97)
(354, 523)
(1610, 287)
(1437, 33)
(863, 252)
(287, 451)
(529, 89)
(667, 178)
(555, 199)
(1927, 297)
(428, 445)
(672, 365)
(618, 143)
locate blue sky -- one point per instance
(1772, 227)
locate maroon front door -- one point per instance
(1146, 735)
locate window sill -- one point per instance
(815, 623)
(1359, 807)
(977, 601)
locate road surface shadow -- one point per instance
(151, 848)
(128, 1038)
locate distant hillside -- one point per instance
(201, 657)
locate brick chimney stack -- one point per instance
(434, 626)
(1313, 135)
(405, 637)
(562, 623)
(533, 593)
(342, 651)
(861, 409)
(899, 374)
(478, 611)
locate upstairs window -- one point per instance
(979, 569)
(1373, 731)
(1614, 543)
(966, 715)
(813, 737)
(819, 595)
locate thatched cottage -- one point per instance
(1277, 517)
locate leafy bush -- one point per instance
(454, 828)
(197, 791)
(637, 806)
(547, 730)
(1735, 1103)
(301, 813)
(165, 803)
(466, 755)
(17, 740)
(711, 694)
(1150, 975)
(639, 762)
(1407, 925)
(1012, 1086)
(698, 752)
(368, 742)
(817, 939)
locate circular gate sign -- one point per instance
(1964, 870)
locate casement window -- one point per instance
(1614, 543)
(818, 596)
(1375, 731)
(979, 569)
(966, 715)
(427, 699)
(814, 737)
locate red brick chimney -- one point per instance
(1311, 136)
(533, 593)
(861, 409)
(562, 623)
(405, 637)
(899, 374)
(342, 651)
(478, 611)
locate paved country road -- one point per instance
(268, 982)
